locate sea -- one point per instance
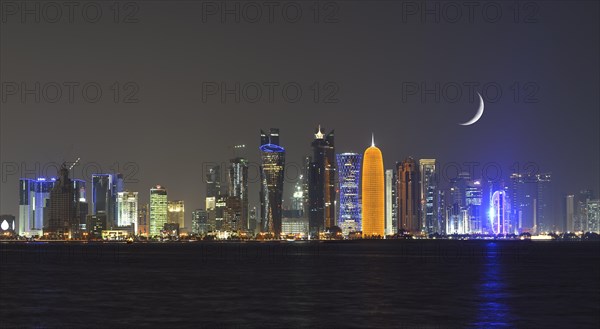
(301, 284)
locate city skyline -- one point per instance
(219, 175)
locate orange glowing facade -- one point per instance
(373, 193)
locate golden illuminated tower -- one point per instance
(373, 194)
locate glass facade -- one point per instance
(349, 216)
(158, 209)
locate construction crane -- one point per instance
(74, 163)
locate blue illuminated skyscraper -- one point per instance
(33, 197)
(271, 174)
(349, 217)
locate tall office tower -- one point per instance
(531, 205)
(272, 175)
(442, 212)
(238, 187)
(349, 215)
(523, 196)
(232, 214)
(500, 213)
(127, 203)
(297, 200)
(581, 209)
(104, 198)
(544, 211)
(389, 201)
(253, 222)
(570, 213)
(305, 173)
(211, 206)
(81, 203)
(593, 216)
(63, 220)
(200, 222)
(408, 196)
(428, 196)
(219, 213)
(158, 209)
(373, 193)
(473, 205)
(143, 220)
(176, 213)
(213, 181)
(321, 183)
(33, 198)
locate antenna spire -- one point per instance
(372, 139)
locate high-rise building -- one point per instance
(297, 200)
(321, 183)
(272, 175)
(389, 201)
(428, 196)
(544, 212)
(33, 198)
(500, 213)
(127, 204)
(581, 222)
(373, 193)
(143, 220)
(176, 213)
(238, 187)
(63, 220)
(473, 205)
(200, 222)
(81, 203)
(104, 198)
(213, 181)
(349, 215)
(570, 213)
(593, 216)
(158, 209)
(408, 196)
(530, 202)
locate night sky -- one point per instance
(364, 51)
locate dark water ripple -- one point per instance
(384, 284)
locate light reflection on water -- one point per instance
(493, 310)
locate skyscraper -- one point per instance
(500, 213)
(593, 216)
(213, 181)
(408, 196)
(349, 217)
(104, 198)
(473, 205)
(33, 198)
(373, 193)
(570, 213)
(127, 204)
(389, 201)
(200, 222)
(63, 220)
(272, 175)
(176, 213)
(143, 220)
(428, 196)
(158, 209)
(321, 183)
(238, 187)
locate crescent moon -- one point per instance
(477, 115)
